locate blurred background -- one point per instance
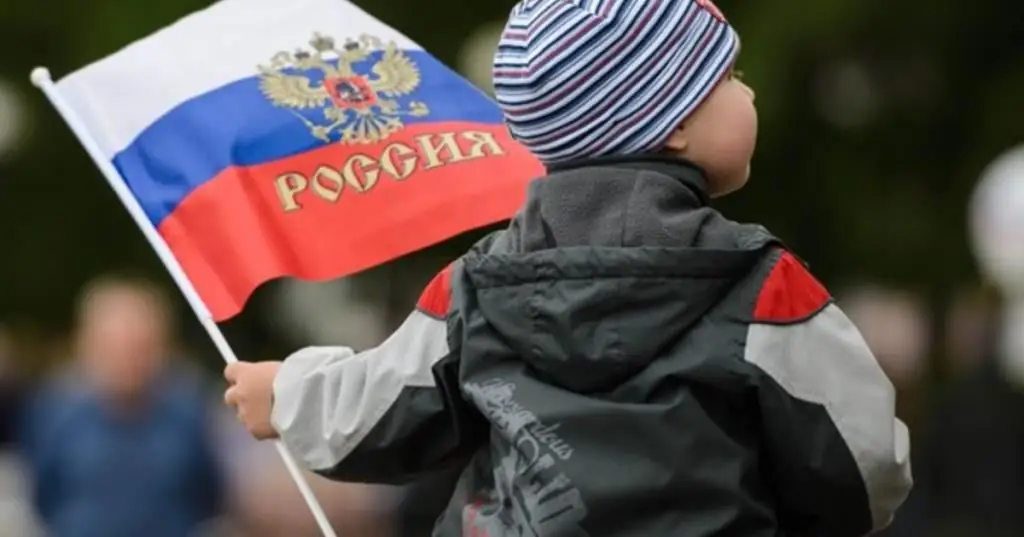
(890, 158)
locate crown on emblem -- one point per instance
(359, 105)
(321, 43)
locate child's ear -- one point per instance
(677, 141)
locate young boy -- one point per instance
(621, 360)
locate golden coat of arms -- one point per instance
(361, 107)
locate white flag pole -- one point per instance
(41, 79)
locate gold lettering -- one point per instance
(362, 172)
(406, 157)
(327, 183)
(288, 187)
(432, 151)
(360, 164)
(482, 139)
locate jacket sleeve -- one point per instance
(384, 415)
(837, 457)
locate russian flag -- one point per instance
(304, 138)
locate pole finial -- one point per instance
(40, 76)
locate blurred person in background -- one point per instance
(895, 325)
(970, 469)
(15, 514)
(118, 445)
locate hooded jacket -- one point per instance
(620, 361)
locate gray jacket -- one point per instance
(620, 361)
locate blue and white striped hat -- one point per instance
(586, 78)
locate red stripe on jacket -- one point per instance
(437, 297)
(790, 294)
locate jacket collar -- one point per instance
(684, 171)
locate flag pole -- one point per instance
(41, 78)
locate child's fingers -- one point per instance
(232, 372)
(231, 396)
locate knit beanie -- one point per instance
(585, 78)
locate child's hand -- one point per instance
(251, 394)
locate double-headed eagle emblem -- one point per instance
(358, 107)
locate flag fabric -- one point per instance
(304, 138)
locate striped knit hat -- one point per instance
(585, 78)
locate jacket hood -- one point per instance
(606, 266)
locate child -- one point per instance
(621, 360)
